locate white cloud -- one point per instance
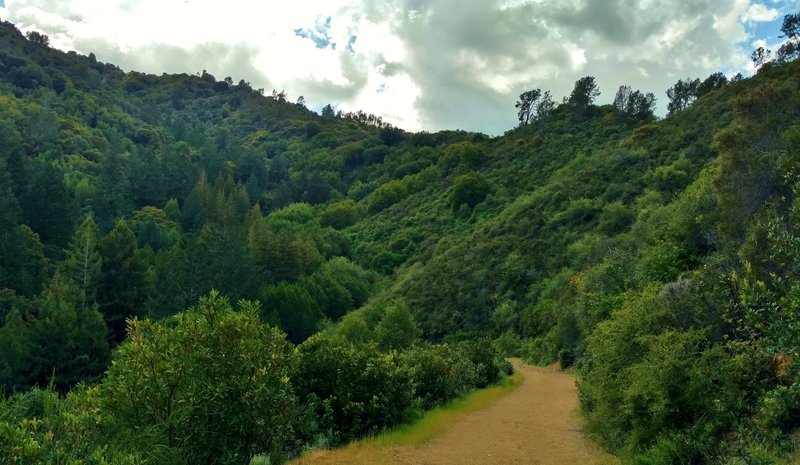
(422, 64)
(759, 13)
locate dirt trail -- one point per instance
(537, 423)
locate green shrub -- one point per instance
(211, 383)
(465, 154)
(470, 190)
(340, 215)
(365, 390)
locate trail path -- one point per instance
(537, 423)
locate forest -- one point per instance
(194, 271)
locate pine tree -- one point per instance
(69, 342)
(121, 291)
(81, 265)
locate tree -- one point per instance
(397, 329)
(621, 98)
(212, 384)
(545, 106)
(328, 111)
(27, 265)
(16, 345)
(9, 219)
(47, 207)
(81, 265)
(360, 390)
(9, 205)
(634, 103)
(298, 313)
(583, 95)
(713, 82)
(38, 38)
(526, 105)
(121, 292)
(760, 56)
(681, 95)
(790, 50)
(791, 26)
(339, 286)
(69, 337)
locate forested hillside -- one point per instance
(194, 271)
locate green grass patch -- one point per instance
(436, 421)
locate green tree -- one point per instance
(583, 95)
(292, 305)
(69, 337)
(356, 389)
(47, 207)
(81, 264)
(339, 286)
(121, 291)
(713, 82)
(397, 329)
(28, 262)
(682, 94)
(16, 345)
(9, 206)
(38, 38)
(526, 105)
(634, 103)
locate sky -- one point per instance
(420, 64)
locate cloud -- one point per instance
(422, 64)
(759, 13)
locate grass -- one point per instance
(377, 449)
(436, 421)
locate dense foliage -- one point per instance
(378, 273)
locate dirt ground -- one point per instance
(537, 423)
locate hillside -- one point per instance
(657, 255)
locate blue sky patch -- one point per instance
(769, 31)
(319, 34)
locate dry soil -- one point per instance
(537, 423)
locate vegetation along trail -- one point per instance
(537, 423)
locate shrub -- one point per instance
(340, 215)
(365, 390)
(211, 383)
(470, 190)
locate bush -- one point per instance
(39, 427)
(340, 215)
(364, 390)
(431, 370)
(211, 383)
(470, 190)
(466, 154)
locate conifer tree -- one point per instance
(121, 291)
(81, 265)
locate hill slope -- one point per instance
(659, 256)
